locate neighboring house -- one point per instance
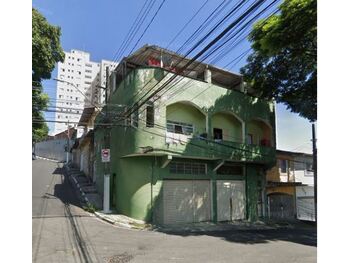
(83, 150)
(303, 172)
(289, 186)
(197, 151)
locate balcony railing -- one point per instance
(203, 147)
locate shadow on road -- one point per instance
(304, 236)
(65, 191)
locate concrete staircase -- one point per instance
(86, 188)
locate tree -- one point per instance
(46, 52)
(283, 65)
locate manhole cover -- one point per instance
(121, 258)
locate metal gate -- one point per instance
(281, 206)
(186, 201)
(230, 200)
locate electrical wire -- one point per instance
(206, 48)
(145, 30)
(139, 20)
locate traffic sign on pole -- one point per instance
(106, 156)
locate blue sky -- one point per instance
(99, 28)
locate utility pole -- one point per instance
(107, 167)
(314, 154)
(67, 158)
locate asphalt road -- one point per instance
(63, 232)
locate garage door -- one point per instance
(281, 206)
(306, 208)
(305, 203)
(230, 200)
(186, 201)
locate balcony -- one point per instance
(209, 149)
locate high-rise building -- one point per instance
(77, 86)
(96, 91)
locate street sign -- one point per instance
(106, 156)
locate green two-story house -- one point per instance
(197, 150)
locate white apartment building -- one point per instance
(96, 90)
(79, 80)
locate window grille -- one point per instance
(179, 127)
(187, 168)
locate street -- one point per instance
(63, 232)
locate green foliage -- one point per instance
(90, 208)
(46, 47)
(39, 102)
(283, 65)
(46, 52)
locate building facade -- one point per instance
(80, 78)
(197, 151)
(289, 186)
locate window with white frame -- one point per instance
(187, 168)
(179, 127)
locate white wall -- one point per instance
(52, 149)
(300, 172)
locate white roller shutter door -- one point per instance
(230, 200)
(186, 201)
(201, 201)
(305, 203)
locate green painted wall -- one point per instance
(256, 130)
(252, 178)
(187, 114)
(138, 182)
(232, 128)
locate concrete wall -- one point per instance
(53, 149)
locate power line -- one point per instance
(135, 27)
(188, 22)
(126, 38)
(206, 48)
(145, 30)
(171, 78)
(200, 28)
(237, 58)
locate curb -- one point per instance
(104, 218)
(47, 159)
(116, 223)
